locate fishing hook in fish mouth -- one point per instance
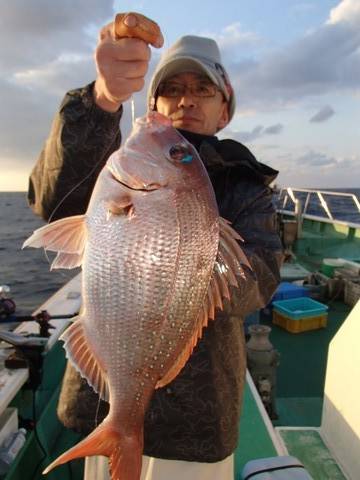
(144, 187)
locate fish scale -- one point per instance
(143, 280)
(156, 262)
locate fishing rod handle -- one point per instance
(132, 24)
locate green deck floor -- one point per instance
(254, 439)
(302, 369)
(300, 386)
(308, 446)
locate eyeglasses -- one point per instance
(197, 89)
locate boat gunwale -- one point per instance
(317, 218)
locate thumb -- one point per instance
(136, 25)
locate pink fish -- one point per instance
(157, 261)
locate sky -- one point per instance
(294, 66)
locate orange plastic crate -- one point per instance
(300, 325)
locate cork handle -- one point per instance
(134, 24)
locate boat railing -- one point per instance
(300, 201)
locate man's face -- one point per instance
(204, 115)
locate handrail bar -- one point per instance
(290, 195)
(325, 192)
(320, 219)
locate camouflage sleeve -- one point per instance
(254, 218)
(81, 139)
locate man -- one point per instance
(191, 427)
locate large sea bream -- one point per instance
(157, 261)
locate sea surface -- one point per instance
(341, 208)
(27, 272)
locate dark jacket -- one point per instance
(196, 416)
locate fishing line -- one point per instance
(36, 434)
(99, 161)
(85, 178)
(97, 412)
(132, 102)
(106, 152)
(96, 165)
(165, 47)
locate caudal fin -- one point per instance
(124, 452)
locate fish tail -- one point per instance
(124, 452)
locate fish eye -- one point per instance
(180, 153)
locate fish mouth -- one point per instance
(131, 183)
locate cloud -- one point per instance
(233, 37)
(30, 99)
(46, 50)
(348, 11)
(323, 114)
(323, 61)
(274, 129)
(34, 32)
(316, 159)
(296, 162)
(58, 75)
(29, 102)
(25, 120)
(234, 42)
(251, 136)
(309, 167)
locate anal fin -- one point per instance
(83, 359)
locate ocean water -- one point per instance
(342, 208)
(27, 272)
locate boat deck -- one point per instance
(300, 383)
(255, 439)
(308, 446)
(256, 442)
(301, 380)
(302, 369)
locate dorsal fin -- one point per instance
(227, 269)
(216, 292)
(228, 243)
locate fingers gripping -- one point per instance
(136, 25)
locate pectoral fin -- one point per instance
(122, 206)
(66, 236)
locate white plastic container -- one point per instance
(8, 423)
(10, 449)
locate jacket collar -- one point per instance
(220, 155)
